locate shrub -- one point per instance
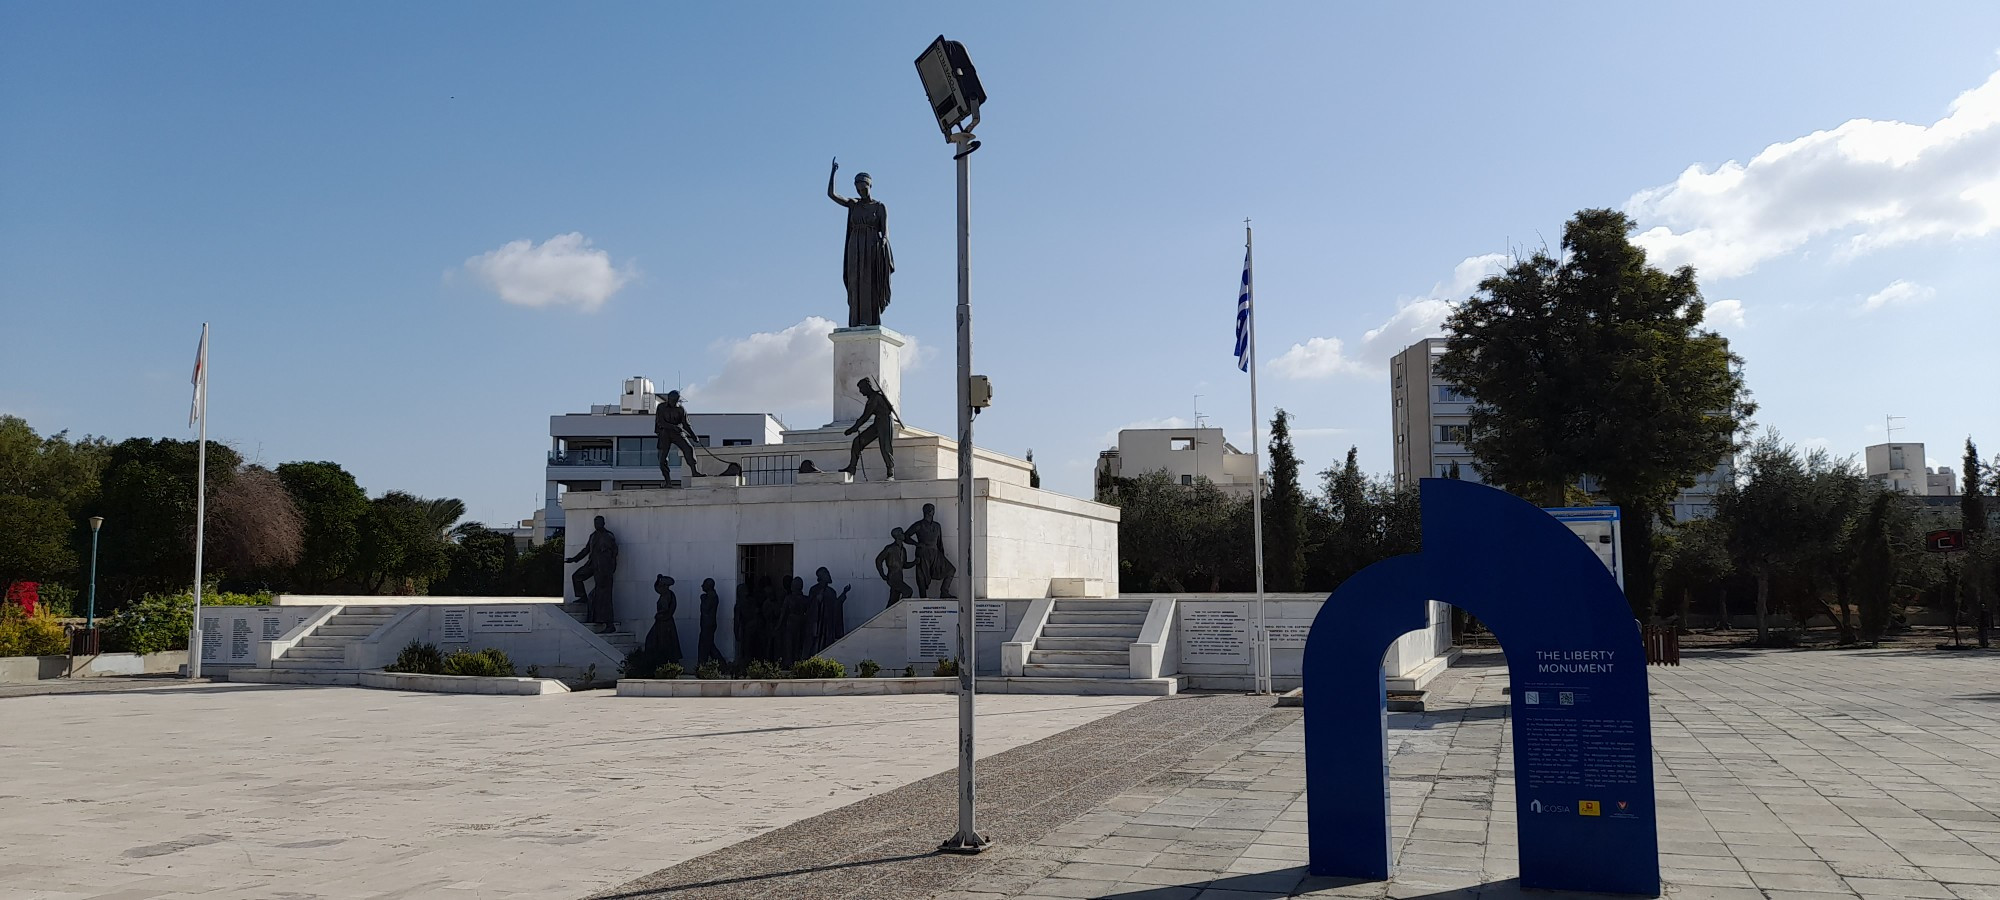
(59, 600)
(25, 635)
(909, 671)
(418, 658)
(946, 668)
(489, 662)
(762, 670)
(709, 671)
(818, 667)
(869, 667)
(159, 622)
(668, 670)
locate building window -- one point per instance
(1454, 434)
(1187, 480)
(639, 451)
(1450, 393)
(735, 442)
(1180, 443)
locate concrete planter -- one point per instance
(462, 684)
(30, 669)
(783, 687)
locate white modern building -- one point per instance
(1185, 454)
(1900, 467)
(612, 447)
(1430, 418)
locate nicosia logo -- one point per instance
(1623, 806)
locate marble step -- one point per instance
(368, 610)
(1126, 686)
(1094, 605)
(337, 628)
(1129, 633)
(1135, 619)
(1075, 670)
(1039, 656)
(1090, 642)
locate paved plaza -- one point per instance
(1781, 776)
(256, 791)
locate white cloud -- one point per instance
(564, 269)
(1874, 183)
(1415, 318)
(1724, 314)
(1898, 293)
(786, 372)
(1318, 357)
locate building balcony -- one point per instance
(604, 458)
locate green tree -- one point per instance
(1352, 524)
(34, 540)
(1284, 513)
(1595, 364)
(1696, 560)
(401, 549)
(541, 569)
(52, 468)
(1175, 537)
(1763, 517)
(332, 506)
(1874, 567)
(149, 492)
(481, 562)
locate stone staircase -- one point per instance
(1087, 639)
(622, 641)
(325, 649)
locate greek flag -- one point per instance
(1243, 318)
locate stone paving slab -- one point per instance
(885, 848)
(274, 791)
(1781, 776)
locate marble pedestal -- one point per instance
(870, 352)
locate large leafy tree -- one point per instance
(255, 531)
(402, 548)
(34, 540)
(332, 506)
(1174, 537)
(481, 563)
(1284, 512)
(1595, 364)
(148, 503)
(1351, 528)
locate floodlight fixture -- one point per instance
(952, 85)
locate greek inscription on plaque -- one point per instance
(930, 630)
(453, 624)
(989, 615)
(239, 638)
(503, 618)
(211, 639)
(1215, 634)
(274, 627)
(1288, 635)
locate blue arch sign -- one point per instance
(1583, 745)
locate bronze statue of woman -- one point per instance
(867, 263)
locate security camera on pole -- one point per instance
(955, 95)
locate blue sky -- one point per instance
(419, 230)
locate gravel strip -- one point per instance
(885, 847)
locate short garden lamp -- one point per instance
(90, 620)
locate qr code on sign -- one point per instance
(1566, 698)
(1532, 698)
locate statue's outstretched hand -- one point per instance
(836, 164)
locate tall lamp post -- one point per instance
(955, 95)
(90, 614)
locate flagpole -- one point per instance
(1261, 640)
(200, 497)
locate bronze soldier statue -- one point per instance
(743, 623)
(706, 651)
(664, 641)
(877, 425)
(867, 262)
(601, 549)
(890, 564)
(830, 607)
(670, 425)
(932, 564)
